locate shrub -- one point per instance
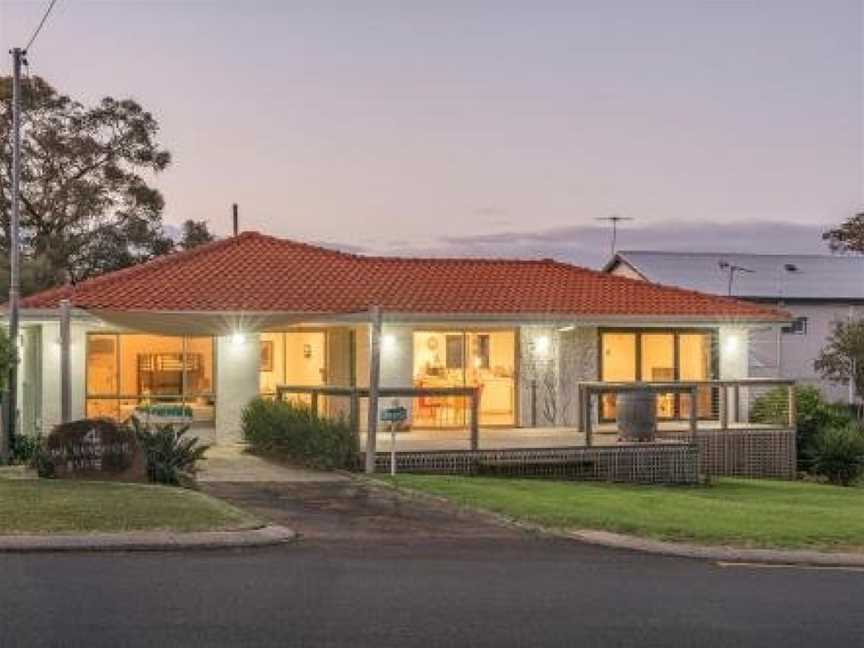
(838, 454)
(26, 448)
(171, 456)
(294, 432)
(814, 414)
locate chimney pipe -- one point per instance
(236, 219)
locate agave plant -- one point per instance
(172, 457)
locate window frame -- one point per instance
(676, 332)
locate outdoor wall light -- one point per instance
(730, 344)
(541, 344)
(388, 342)
(237, 338)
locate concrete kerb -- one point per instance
(717, 553)
(266, 536)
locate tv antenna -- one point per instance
(614, 220)
(731, 268)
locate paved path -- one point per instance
(228, 463)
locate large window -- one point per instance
(660, 356)
(293, 358)
(126, 372)
(486, 359)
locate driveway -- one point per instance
(349, 510)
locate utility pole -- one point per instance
(235, 217)
(614, 220)
(11, 405)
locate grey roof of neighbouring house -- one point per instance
(774, 276)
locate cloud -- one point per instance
(588, 245)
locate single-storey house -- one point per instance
(817, 290)
(206, 330)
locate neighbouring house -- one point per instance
(817, 290)
(199, 333)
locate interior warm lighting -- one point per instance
(237, 339)
(541, 344)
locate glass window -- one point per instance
(440, 360)
(660, 356)
(455, 358)
(126, 371)
(619, 357)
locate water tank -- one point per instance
(637, 414)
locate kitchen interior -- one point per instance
(454, 358)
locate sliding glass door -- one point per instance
(675, 355)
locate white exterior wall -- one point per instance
(397, 363)
(799, 352)
(734, 352)
(50, 378)
(237, 378)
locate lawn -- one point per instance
(49, 506)
(741, 512)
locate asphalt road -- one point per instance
(485, 587)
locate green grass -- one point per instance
(741, 512)
(55, 506)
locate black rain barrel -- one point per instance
(637, 414)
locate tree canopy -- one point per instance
(86, 204)
(848, 237)
(842, 358)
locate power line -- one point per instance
(40, 25)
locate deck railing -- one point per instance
(354, 394)
(716, 405)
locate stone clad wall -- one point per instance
(557, 366)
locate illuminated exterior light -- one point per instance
(730, 344)
(541, 344)
(388, 342)
(238, 338)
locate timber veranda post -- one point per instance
(374, 385)
(65, 361)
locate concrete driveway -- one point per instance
(228, 463)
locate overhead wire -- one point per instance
(40, 25)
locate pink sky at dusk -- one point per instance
(485, 127)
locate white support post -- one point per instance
(65, 361)
(374, 385)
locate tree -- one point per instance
(842, 358)
(195, 233)
(85, 205)
(849, 237)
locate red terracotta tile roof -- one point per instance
(253, 272)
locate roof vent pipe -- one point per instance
(236, 218)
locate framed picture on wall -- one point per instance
(266, 355)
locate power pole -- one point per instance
(614, 220)
(11, 405)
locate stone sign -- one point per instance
(95, 449)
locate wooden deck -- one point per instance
(605, 435)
